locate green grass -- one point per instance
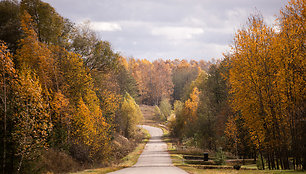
(127, 161)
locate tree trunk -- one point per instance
(262, 160)
(269, 161)
(4, 125)
(20, 164)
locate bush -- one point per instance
(57, 162)
(177, 123)
(158, 114)
(259, 163)
(165, 108)
(130, 116)
(237, 167)
(220, 157)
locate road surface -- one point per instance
(154, 158)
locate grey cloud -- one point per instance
(168, 28)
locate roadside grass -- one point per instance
(178, 161)
(132, 157)
(127, 161)
(193, 170)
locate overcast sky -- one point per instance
(167, 29)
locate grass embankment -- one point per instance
(127, 161)
(179, 161)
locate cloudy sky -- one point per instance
(168, 29)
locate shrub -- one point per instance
(220, 157)
(165, 108)
(130, 116)
(158, 114)
(259, 163)
(56, 161)
(237, 167)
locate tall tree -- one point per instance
(126, 81)
(290, 53)
(10, 23)
(97, 55)
(162, 86)
(35, 54)
(266, 79)
(182, 75)
(7, 82)
(31, 119)
(49, 25)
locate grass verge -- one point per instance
(127, 161)
(178, 160)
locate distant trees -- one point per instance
(200, 118)
(182, 75)
(153, 79)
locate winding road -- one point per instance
(154, 158)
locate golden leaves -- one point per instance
(191, 105)
(267, 77)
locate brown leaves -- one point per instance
(154, 79)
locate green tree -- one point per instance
(177, 125)
(126, 81)
(158, 114)
(97, 55)
(165, 108)
(130, 116)
(182, 76)
(49, 25)
(10, 23)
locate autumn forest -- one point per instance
(67, 95)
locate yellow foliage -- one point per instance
(111, 101)
(130, 115)
(31, 118)
(267, 78)
(35, 54)
(6, 63)
(60, 107)
(191, 105)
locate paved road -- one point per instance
(154, 158)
